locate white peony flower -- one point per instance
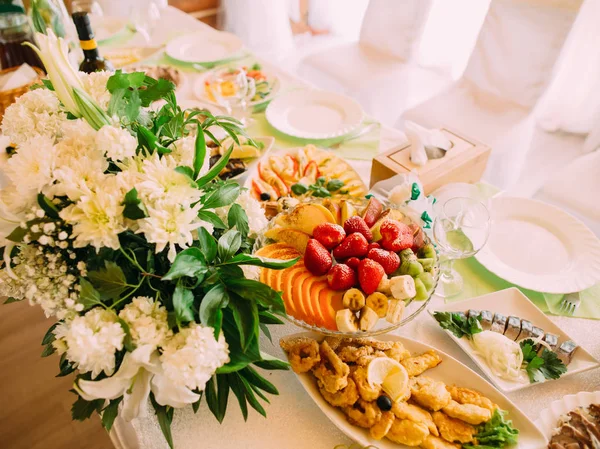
(78, 139)
(147, 321)
(95, 85)
(97, 218)
(117, 143)
(30, 169)
(90, 341)
(183, 151)
(36, 113)
(193, 355)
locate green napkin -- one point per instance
(590, 303)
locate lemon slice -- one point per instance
(390, 374)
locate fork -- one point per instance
(569, 303)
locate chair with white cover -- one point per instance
(509, 70)
(377, 70)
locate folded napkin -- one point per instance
(590, 303)
(20, 77)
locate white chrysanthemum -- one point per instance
(97, 218)
(80, 176)
(163, 184)
(91, 340)
(36, 113)
(256, 215)
(171, 224)
(183, 152)
(30, 169)
(78, 139)
(95, 85)
(193, 355)
(147, 321)
(117, 143)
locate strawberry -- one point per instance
(374, 245)
(357, 224)
(370, 274)
(353, 262)
(395, 236)
(329, 235)
(355, 245)
(316, 258)
(389, 260)
(418, 237)
(341, 277)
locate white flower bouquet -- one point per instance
(115, 225)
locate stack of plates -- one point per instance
(205, 48)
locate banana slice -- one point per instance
(379, 303)
(403, 287)
(354, 299)
(368, 318)
(346, 320)
(395, 311)
(384, 286)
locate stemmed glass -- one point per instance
(461, 228)
(232, 89)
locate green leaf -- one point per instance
(236, 217)
(224, 195)
(49, 337)
(187, 171)
(335, 184)
(238, 358)
(265, 262)
(299, 188)
(208, 245)
(533, 370)
(216, 392)
(458, 325)
(10, 300)
(65, 367)
(553, 367)
(128, 340)
(245, 314)
(118, 80)
(271, 363)
(265, 330)
(48, 84)
(252, 399)
(37, 20)
(17, 235)
(48, 350)
(267, 318)
(214, 300)
(158, 90)
(48, 206)
(164, 419)
(110, 412)
(117, 102)
(228, 244)
(239, 391)
(183, 300)
(189, 262)
(82, 409)
(254, 378)
(88, 296)
(212, 218)
(196, 405)
(110, 280)
(134, 208)
(133, 107)
(215, 169)
(252, 290)
(528, 350)
(199, 152)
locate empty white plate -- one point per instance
(511, 302)
(204, 47)
(540, 247)
(107, 27)
(314, 114)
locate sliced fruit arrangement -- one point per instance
(301, 173)
(346, 280)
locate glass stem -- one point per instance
(446, 267)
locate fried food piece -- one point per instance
(453, 430)
(382, 426)
(398, 352)
(350, 354)
(473, 414)
(467, 396)
(405, 431)
(421, 363)
(303, 353)
(345, 397)
(366, 391)
(363, 414)
(333, 342)
(431, 442)
(375, 344)
(331, 371)
(366, 359)
(430, 393)
(404, 410)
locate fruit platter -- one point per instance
(363, 269)
(285, 179)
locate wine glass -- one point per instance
(461, 228)
(232, 89)
(144, 18)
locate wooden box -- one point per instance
(464, 162)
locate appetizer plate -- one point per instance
(540, 247)
(314, 114)
(266, 141)
(511, 302)
(200, 90)
(549, 417)
(450, 371)
(204, 47)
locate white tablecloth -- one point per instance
(294, 421)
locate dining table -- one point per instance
(293, 419)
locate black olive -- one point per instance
(265, 196)
(384, 403)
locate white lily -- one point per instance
(140, 373)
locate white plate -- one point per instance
(540, 247)
(314, 114)
(451, 371)
(511, 302)
(204, 47)
(200, 90)
(107, 27)
(549, 417)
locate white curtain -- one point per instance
(572, 101)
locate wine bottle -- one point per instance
(92, 61)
